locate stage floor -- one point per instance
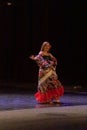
(14, 101)
(22, 112)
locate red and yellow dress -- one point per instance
(49, 87)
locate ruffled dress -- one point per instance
(49, 86)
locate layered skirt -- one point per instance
(49, 86)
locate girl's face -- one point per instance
(47, 47)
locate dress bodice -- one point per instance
(47, 57)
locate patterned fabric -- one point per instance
(49, 87)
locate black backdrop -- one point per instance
(24, 25)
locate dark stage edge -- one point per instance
(19, 87)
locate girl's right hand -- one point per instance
(32, 57)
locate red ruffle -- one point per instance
(50, 94)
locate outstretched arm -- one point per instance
(33, 57)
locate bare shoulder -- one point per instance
(41, 53)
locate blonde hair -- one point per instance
(45, 44)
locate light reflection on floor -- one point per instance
(21, 101)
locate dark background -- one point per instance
(25, 24)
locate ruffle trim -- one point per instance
(50, 94)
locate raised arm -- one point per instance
(33, 57)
